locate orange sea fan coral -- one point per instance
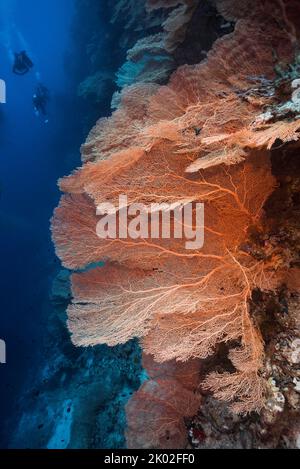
(287, 11)
(190, 103)
(119, 131)
(186, 305)
(155, 415)
(233, 203)
(260, 136)
(173, 144)
(187, 374)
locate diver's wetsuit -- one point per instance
(40, 99)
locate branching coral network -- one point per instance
(201, 138)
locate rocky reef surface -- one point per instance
(77, 400)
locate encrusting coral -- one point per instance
(205, 138)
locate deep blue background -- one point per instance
(32, 157)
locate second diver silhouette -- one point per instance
(40, 100)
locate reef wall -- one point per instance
(223, 130)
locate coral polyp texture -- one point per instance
(207, 136)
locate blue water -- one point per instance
(33, 155)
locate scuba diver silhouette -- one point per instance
(22, 63)
(40, 99)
